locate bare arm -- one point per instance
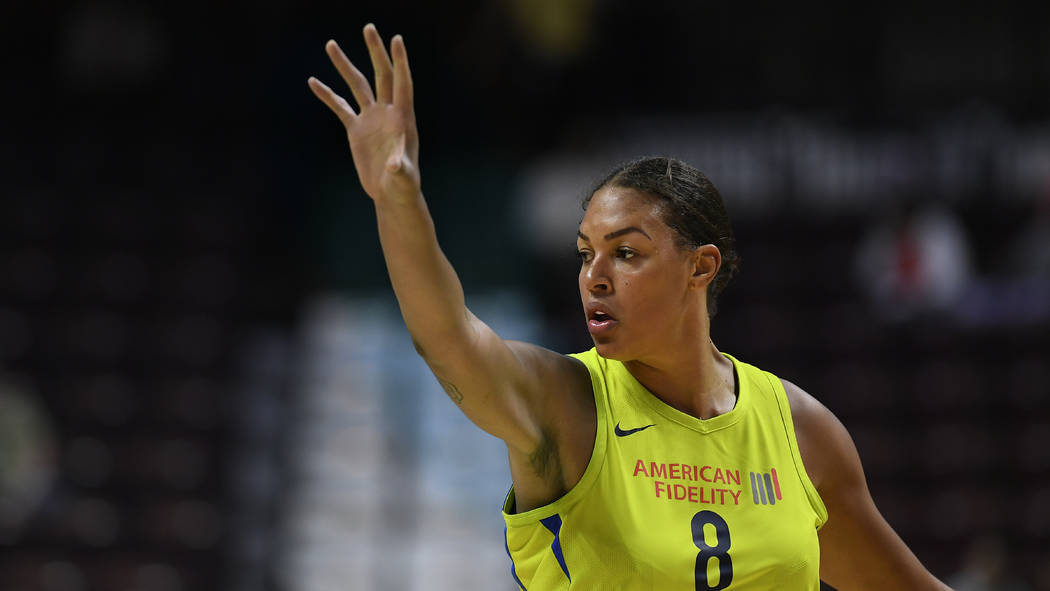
(858, 548)
(512, 390)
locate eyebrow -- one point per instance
(617, 233)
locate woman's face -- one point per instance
(635, 282)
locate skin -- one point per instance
(539, 402)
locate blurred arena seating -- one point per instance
(129, 318)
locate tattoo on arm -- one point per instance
(452, 391)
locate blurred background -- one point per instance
(204, 380)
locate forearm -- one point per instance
(480, 371)
(427, 288)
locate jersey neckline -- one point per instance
(743, 401)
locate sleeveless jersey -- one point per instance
(672, 502)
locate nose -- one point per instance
(594, 277)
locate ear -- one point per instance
(707, 260)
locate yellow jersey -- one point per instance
(672, 502)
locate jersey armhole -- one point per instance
(594, 465)
(815, 501)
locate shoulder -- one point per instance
(571, 371)
(565, 398)
(828, 452)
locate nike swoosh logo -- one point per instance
(624, 433)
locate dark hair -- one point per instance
(692, 207)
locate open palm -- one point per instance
(383, 138)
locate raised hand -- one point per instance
(383, 137)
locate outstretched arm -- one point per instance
(509, 389)
(858, 548)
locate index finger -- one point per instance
(336, 103)
(403, 97)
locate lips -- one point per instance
(599, 319)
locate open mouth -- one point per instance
(599, 322)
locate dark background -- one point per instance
(171, 194)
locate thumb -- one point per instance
(396, 161)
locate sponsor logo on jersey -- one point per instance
(691, 483)
(765, 487)
(625, 432)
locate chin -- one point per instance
(610, 350)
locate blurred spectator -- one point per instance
(986, 568)
(916, 263)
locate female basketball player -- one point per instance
(652, 461)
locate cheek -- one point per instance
(653, 294)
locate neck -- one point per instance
(697, 380)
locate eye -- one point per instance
(583, 255)
(624, 253)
